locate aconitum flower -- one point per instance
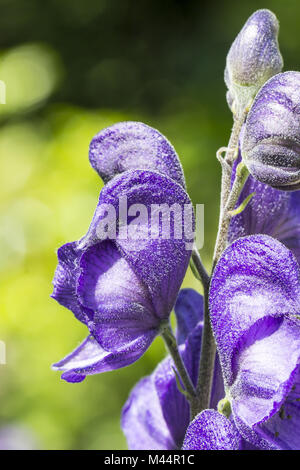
(255, 307)
(133, 145)
(253, 58)
(271, 143)
(156, 414)
(271, 212)
(211, 430)
(123, 287)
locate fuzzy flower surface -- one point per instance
(122, 287)
(271, 144)
(255, 315)
(156, 414)
(253, 58)
(133, 145)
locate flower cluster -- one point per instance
(231, 380)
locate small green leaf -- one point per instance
(241, 206)
(179, 386)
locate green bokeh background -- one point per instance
(72, 68)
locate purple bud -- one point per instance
(271, 142)
(253, 58)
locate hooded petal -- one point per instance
(254, 304)
(130, 146)
(90, 358)
(155, 243)
(256, 280)
(271, 145)
(211, 431)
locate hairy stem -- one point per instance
(240, 179)
(171, 345)
(200, 268)
(229, 198)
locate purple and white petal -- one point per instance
(121, 303)
(90, 358)
(255, 305)
(256, 280)
(211, 431)
(157, 249)
(271, 145)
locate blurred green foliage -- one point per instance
(72, 68)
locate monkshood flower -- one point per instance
(255, 307)
(211, 430)
(271, 142)
(123, 288)
(271, 212)
(253, 58)
(156, 414)
(133, 145)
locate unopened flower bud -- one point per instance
(253, 58)
(271, 142)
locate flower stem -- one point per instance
(203, 275)
(242, 174)
(229, 199)
(171, 345)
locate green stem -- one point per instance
(204, 277)
(229, 199)
(171, 344)
(242, 174)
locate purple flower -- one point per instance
(271, 144)
(211, 430)
(271, 212)
(255, 307)
(156, 414)
(123, 288)
(253, 58)
(133, 145)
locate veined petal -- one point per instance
(130, 146)
(211, 431)
(157, 243)
(121, 304)
(90, 358)
(283, 429)
(265, 370)
(256, 278)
